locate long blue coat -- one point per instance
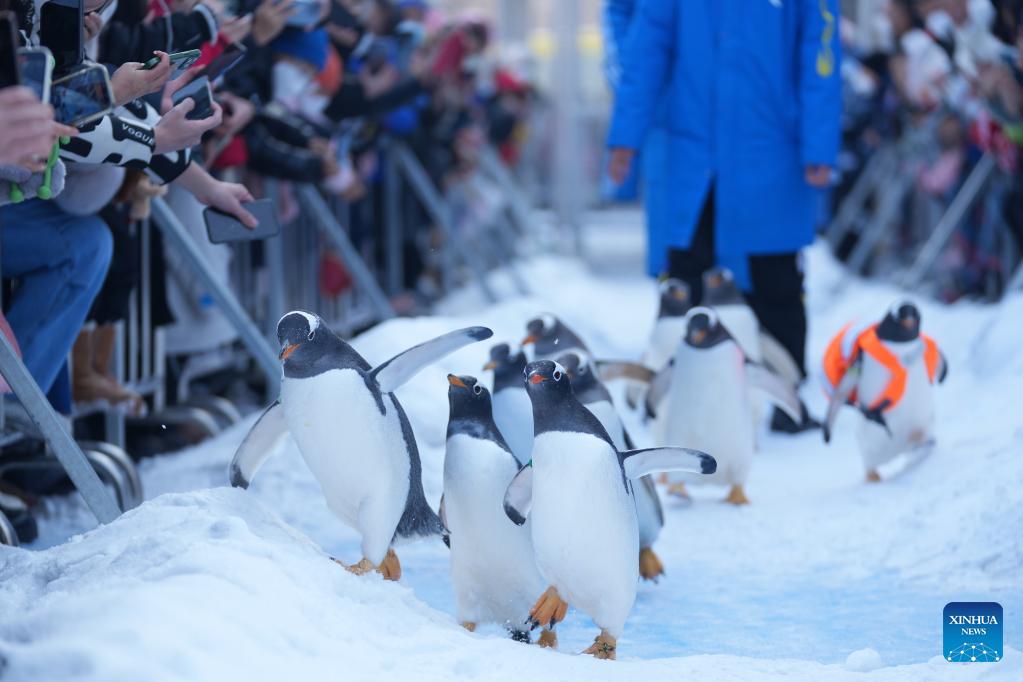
(751, 94)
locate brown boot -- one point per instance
(87, 385)
(103, 345)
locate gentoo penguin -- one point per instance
(493, 568)
(550, 337)
(512, 409)
(352, 432)
(706, 404)
(594, 395)
(669, 327)
(577, 493)
(722, 295)
(888, 371)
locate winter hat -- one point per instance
(307, 46)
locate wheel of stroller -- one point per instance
(123, 460)
(222, 409)
(112, 474)
(7, 534)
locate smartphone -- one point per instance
(82, 96)
(224, 228)
(35, 69)
(223, 62)
(8, 50)
(181, 61)
(306, 13)
(62, 30)
(199, 91)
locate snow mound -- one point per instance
(210, 585)
(863, 661)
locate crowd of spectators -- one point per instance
(951, 70)
(310, 102)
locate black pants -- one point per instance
(777, 295)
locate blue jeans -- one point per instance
(60, 261)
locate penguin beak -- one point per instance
(909, 323)
(529, 339)
(679, 295)
(699, 335)
(288, 350)
(490, 365)
(455, 381)
(537, 379)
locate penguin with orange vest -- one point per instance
(888, 372)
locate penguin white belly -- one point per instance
(513, 414)
(357, 454)
(708, 408)
(493, 568)
(647, 511)
(584, 526)
(910, 421)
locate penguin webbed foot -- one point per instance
(363, 566)
(548, 639)
(548, 610)
(390, 567)
(604, 647)
(873, 476)
(650, 566)
(737, 496)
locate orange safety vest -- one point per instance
(836, 363)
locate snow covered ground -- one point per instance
(822, 577)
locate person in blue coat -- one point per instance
(749, 95)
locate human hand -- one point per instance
(818, 175)
(269, 20)
(93, 24)
(238, 112)
(228, 197)
(236, 29)
(131, 81)
(27, 129)
(174, 131)
(620, 163)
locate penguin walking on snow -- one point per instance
(888, 371)
(513, 412)
(352, 432)
(703, 399)
(577, 494)
(589, 390)
(493, 568)
(551, 337)
(669, 327)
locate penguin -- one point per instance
(549, 337)
(577, 494)
(649, 513)
(352, 432)
(675, 302)
(512, 409)
(706, 402)
(722, 295)
(493, 568)
(888, 371)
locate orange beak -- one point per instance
(908, 323)
(537, 379)
(288, 350)
(529, 339)
(699, 335)
(490, 365)
(679, 294)
(455, 381)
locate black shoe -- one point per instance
(782, 423)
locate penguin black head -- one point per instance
(507, 366)
(546, 378)
(676, 299)
(579, 369)
(703, 329)
(467, 398)
(901, 323)
(719, 287)
(549, 334)
(309, 346)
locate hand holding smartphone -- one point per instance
(225, 228)
(180, 61)
(199, 92)
(82, 96)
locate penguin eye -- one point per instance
(582, 369)
(311, 335)
(557, 375)
(477, 389)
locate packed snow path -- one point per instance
(213, 583)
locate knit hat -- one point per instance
(307, 46)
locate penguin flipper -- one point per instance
(777, 389)
(518, 499)
(623, 369)
(405, 365)
(839, 397)
(639, 463)
(779, 359)
(658, 390)
(260, 442)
